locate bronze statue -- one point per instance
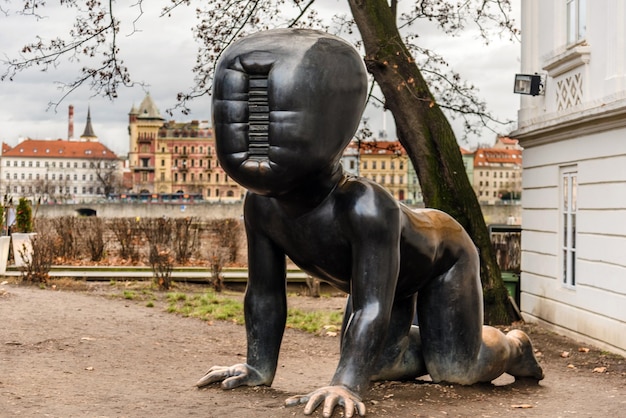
(285, 105)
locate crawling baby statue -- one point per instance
(285, 105)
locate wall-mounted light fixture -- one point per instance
(528, 84)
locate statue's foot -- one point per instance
(526, 364)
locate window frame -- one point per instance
(575, 21)
(567, 228)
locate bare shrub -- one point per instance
(127, 232)
(185, 238)
(158, 233)
(36, 268)
(227, 235)
(217, 261)
(66, 228)
(313, 286)
(94, 229)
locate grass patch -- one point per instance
(211, 306)
(314, 322)
(207, 306)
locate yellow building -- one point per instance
(386, 163)
(175, 157)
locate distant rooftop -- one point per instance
(59, 148)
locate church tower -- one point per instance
(89, 135)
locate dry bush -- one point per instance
(94, 229)
(226, 235)
(158, 233)
(127, 232)
(36, 269)
(66, 228)
(185, 238)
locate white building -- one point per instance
(62, 171)
(574, 186)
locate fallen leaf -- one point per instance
(565, 354)
(522, 406)
(583, 350)
(571, 366)
(599, 370)
(89, 368)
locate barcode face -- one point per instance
(258, 117)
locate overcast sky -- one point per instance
(162, 55)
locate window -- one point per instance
(576, 20)
(569, 186)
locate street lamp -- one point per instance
(530, 84)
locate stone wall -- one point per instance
(500, 214)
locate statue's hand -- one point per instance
(231, 377)
(331, 396)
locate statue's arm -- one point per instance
(265, 310)
(375, 238)
(265, 302)
(375, 267)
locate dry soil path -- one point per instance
(83, 354)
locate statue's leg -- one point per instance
(456, 346)
(401, 358)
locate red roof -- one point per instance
(488, 156)
(59, 148)
(508, 141)
(379, 147)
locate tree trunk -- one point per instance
(426, 134)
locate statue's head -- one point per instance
(286, 103)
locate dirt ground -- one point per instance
(87, 354)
